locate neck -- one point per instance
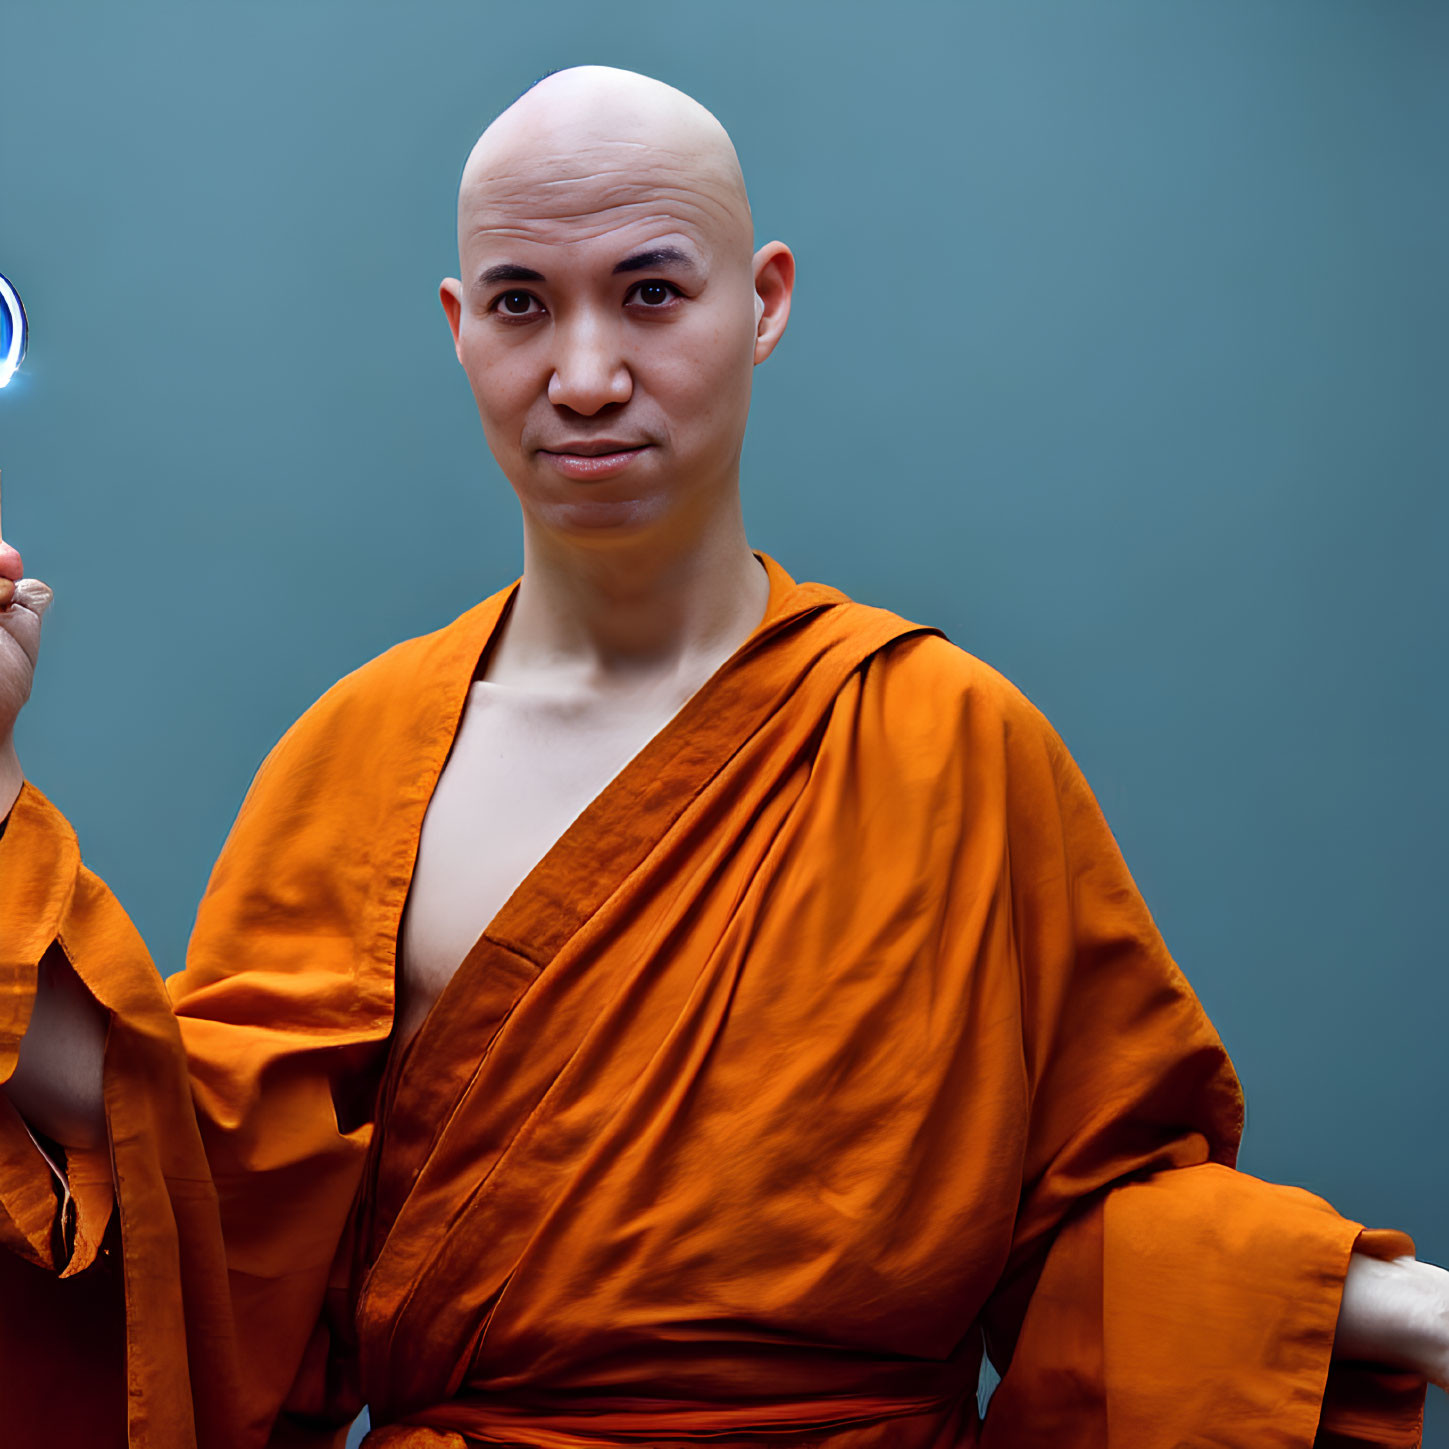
(589, 617)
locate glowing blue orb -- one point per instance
(13, 331)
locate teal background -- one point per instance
(1119, 352)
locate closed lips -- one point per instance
(596, 448)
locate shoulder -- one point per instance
(384, 699)
(924, 704)
(926, 686)
(934, 724)
(376, 684)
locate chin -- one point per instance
(599, 519)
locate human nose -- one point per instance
(589, 371)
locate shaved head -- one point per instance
(610, 309)
(592, 139)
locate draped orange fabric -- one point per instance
(93, 1349)
(832, 1040)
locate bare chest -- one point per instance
(520, 772)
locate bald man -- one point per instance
(610, 311)
(670, 1004)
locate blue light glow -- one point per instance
(13, 331)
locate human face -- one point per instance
(608, 320)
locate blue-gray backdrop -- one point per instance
(1119, 351)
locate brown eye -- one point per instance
(515, 302)
(655, 294)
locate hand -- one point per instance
(1396, 1313)
(19, 648)
(1435, 1286)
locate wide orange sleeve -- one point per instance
(38, 867)
(53, 1214)
(129, 1294)
(1154, 1296)
(239, 1092)
(201, 1342)
(60, 1325)
(227, 1115)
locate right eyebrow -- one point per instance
(507, 272)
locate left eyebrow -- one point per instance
(657, 257)
(508, 272)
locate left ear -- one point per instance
(450, 294)
(774, 266)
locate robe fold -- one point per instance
(830, 1043)
(117, 1327)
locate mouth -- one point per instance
(593, 457)
(593, 448)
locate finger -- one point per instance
(21, 621)
(7, 592)
(10, 565)
(33, 595)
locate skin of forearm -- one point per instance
(12, 777)
(1395, 1313)
(57, 1082)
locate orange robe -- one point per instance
(830, 1041)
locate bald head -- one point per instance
(592, 140)
(609, 297)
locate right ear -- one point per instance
(450, 294)
(774, 266)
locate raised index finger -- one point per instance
(11, 570)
